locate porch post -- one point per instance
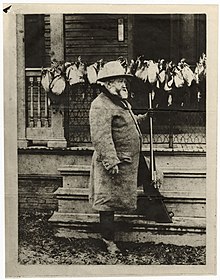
(188, 44)
(57, 52)
(174, 37)
(21, 115)
(183, 39)
(130, 37)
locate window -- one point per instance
(34, 41)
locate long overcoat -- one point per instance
(117, 139)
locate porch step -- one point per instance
(77, 193)
(77, 176)
(184, 180)
(184, 192)
(183, 230)
(180, 203)
(41, 160)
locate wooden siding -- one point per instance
(94, 37)
(47, 41)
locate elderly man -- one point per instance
(117, 141)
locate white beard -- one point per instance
(124, 94)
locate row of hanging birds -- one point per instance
(159, 73)
(167, 74)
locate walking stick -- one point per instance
(152, 164)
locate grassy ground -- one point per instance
(38, 245)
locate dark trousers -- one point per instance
(107, 224)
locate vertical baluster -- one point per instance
(171, 129)
(38, 103)
(31, 123)
(46, 110)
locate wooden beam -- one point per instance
(21, 112)
(174, 37)
(130, 37)
(57, 53)
(57, 37)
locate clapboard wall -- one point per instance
(47, 41)
(94, 37)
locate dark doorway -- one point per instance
(152, 36)
(34, 41)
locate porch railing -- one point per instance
(171, 127)
(177, 127)
(38, 111)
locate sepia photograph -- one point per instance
(110, 140)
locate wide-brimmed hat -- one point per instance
(112, 69)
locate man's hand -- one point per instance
(114, 170)
(150, 113)
(159, 179)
